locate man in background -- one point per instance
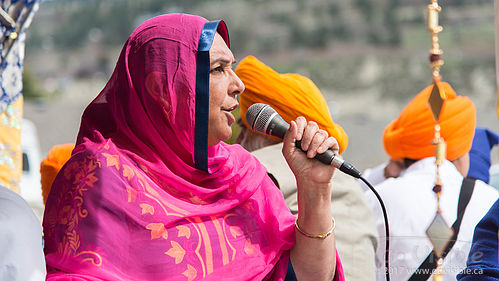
(293, 95)
(409, 192)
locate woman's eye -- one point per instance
(217, 69)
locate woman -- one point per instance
(152, 193)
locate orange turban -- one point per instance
(291, 95)
(50, 166)
(411, 134)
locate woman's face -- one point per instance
(224, 86)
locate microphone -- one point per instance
(264, 119)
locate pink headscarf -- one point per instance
(143, 197)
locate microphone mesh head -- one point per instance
(258, 115)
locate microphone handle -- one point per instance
(329, 158)
(326, 157)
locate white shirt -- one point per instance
(21, 253)
(411, 205)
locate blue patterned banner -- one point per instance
(15, 18)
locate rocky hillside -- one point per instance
(369, 57)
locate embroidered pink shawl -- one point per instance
(130, 204)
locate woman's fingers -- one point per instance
(301, 124)
(313, 139)
(308, 134)
(317, 141)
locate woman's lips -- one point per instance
(231, 108)
(230, 118)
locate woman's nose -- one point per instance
(238, 85)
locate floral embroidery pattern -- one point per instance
(147, 209)
(157, 230)
(80, 176)
(176, 252)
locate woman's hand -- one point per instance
(313, 141)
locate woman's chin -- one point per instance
(228, 136)
(222, 137)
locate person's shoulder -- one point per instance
(93, 160)
(400, 189)
(495, 207)
(106, 152)
(271, 157)
(492, 215)
(486, 190)
(89, 148)
(394, 182)
(13, 208)
(346, 183)
(8, 196)
(268, 151)
(493, 212)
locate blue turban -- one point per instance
(483, 141)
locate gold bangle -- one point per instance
(318, 236)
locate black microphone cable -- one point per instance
(349, 169)
(387, 231)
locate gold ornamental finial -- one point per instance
(435, 52)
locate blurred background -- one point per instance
(369, 57)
